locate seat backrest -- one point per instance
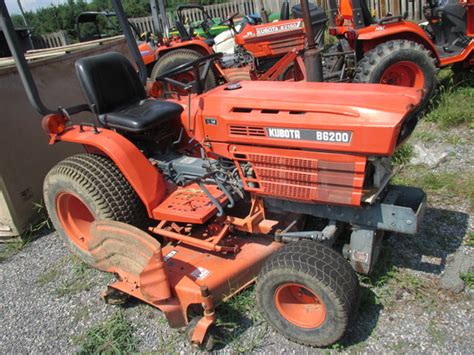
(109, 82)
(183, 33)
(285, 10)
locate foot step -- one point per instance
(189, 204)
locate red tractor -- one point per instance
(394, 51)
(189, 200)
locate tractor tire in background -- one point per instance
(234, 75)
(308, 292)
(84, 188)
(177, 57)
(402, 63)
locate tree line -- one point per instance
(63, 16)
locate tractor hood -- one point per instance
(357, 118)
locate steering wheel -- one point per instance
(206, 24)
(200, 76)
(229, 20)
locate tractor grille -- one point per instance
(305, 179)
(247, 131)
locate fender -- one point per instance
(144, 178)
(375, 34)
(147, 53)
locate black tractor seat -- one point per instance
(115, 93)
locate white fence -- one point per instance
(379, 8)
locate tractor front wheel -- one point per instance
(401, 63)
(84, 188)
(178, 57)
(308, 292)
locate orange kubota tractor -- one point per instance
(190, 199)
(394, 51)
(269, 51)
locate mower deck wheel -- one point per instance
(209, 339)
(308, 292)
(399, 62)
(177, 57)
(86, 187)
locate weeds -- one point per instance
(33, 232)
(48, 276)
(81, 279)
(470, 239)
(468, 278)
(403, 154)
(113, 336)
(235, 316)
(457, 184)
(435, 333)
(425, 136)
(455, 104)
(9, 249)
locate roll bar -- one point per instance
(132, 44)
(25, 73)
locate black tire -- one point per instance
(321, 271)
(209, 339)
(100, 187)
(374, 64)
(177, 57)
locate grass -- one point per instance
(436, 334)
(112, 336)
(387, 282)
(14, 247)
(455, 103)
(469, 239)
(458, 184)
(468, 278)
(403, 154)
(80, 280)
(425, 136)
(49, 276)
(235, 316)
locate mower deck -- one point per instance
(177, 276)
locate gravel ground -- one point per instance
(48, 298)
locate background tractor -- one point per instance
(256, 51)
(394, 51)
(188, 200)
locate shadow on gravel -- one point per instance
(441, 233)
(365, 321)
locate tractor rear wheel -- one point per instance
(308, 292)
(177, 57)
(401, 63)
(84, 188)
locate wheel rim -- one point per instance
(300, 306)
(75, 218)
(404, 73)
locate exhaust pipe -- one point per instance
(312, 55)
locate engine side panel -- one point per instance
(272, 39)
